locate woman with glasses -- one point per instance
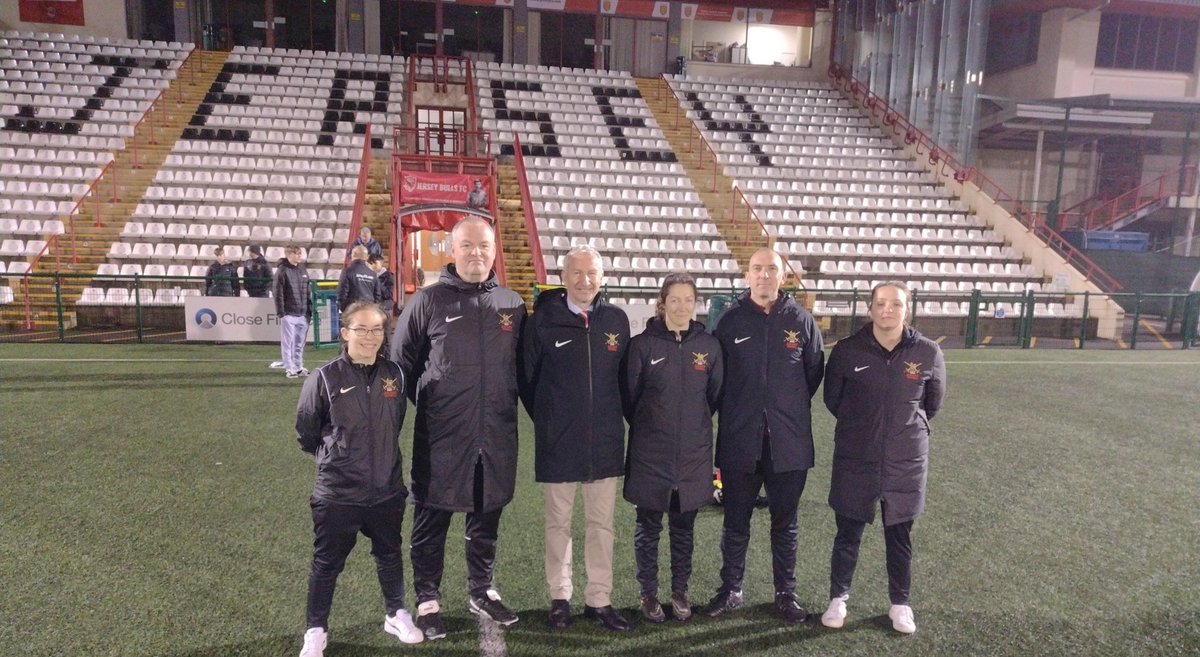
(673, 378)
(349, 417)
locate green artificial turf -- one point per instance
(159, 507)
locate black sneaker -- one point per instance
(790, 608)
(722, 603)
(490, 607)
(652, 609)
(429, 620)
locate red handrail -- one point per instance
(360, 194)
(535, 244)
(1166, 185)
(878, 108)
(154, 106)
(25, 278)
(406, 140)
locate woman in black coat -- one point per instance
(673, 379)
(883, 384)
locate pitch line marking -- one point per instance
(491, 639)
(1068, 362)
(124, 360)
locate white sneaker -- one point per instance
(902, 619)
(835, 616)
(401, 626)
(314, 643)
(303, 372)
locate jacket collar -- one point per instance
(450, 277)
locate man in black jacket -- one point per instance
(884, 384)
(571, 361)
(292, 308)
(349, 418)
(221, 280)
(256, 273)
(358, 282)
(457, 344)
(773, 366)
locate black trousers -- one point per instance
(646, 531)
(898, 541)
(335, 529)
(783, 498)
(428, 551)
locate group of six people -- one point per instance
(463, 352)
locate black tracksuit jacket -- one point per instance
(349, 416)
(773, 366)
(571, 387)
(457, 344)
(673, 386)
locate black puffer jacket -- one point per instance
(673, 388)
(349, 416)
(221, 280)
(883, 402)
(291, 289)
(457, 344)
(256, 276)
(773, 365)
(358, 283)
(572, 389)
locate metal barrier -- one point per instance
(104, 309)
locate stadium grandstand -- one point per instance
(1028, 168)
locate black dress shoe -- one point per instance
(790, 608)
(560, 614)
(608, 617)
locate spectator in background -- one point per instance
(883, 384)
(478, 197)
(221, 280)
(358, 281)
(364, 239)
(292, 306)
(349, 418)
(673, 383)
(457, 344)
(571, 385)
(773, 366)
(256, 273)
(387, 284)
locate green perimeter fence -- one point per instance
(64, 307)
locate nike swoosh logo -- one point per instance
(656, 361)
(563, 343)
(453, 319)
(346, 390)
(740, 340)
(859, 369)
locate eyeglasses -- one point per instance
(364, 332)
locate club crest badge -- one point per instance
(612, 341)
(912, 371)
(390, 389)
(506, 323)
(699, 362)
(791, 339)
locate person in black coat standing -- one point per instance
(221, 280)
(256, 273)
(456, 342)
(673, 380)
(571, 355)
(349, 418)
(359, 281)
(773, 365)
(883, 384)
